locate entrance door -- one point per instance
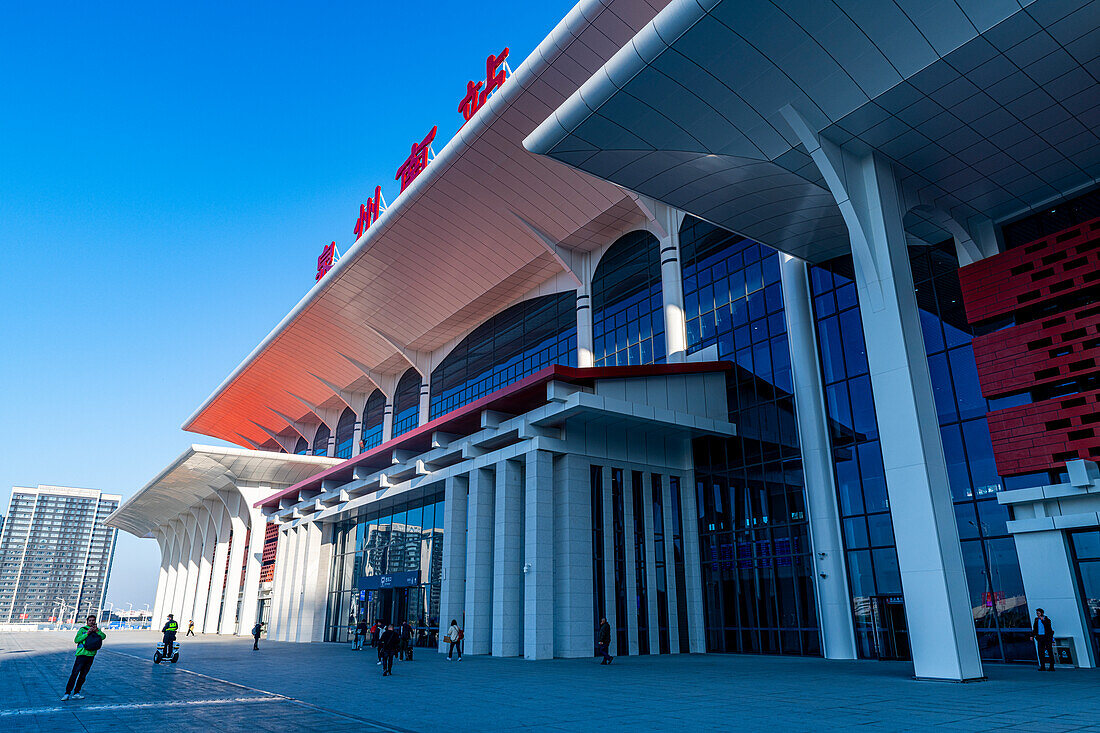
(891, 634)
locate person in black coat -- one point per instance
(603, 641)
(1043, 633)
(388, 645)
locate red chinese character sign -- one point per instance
(496, 71)
(328, 258)
(369, 212)
(417, 161)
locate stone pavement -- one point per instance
(221, 685)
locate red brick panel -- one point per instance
(1054, 349)
(267, 562)
(1044, 435)
(1047, 268)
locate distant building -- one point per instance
(55, 554)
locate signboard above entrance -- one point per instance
(405, 579)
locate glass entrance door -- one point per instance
(891, 634)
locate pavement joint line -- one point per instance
(275, 695)
(77, 708)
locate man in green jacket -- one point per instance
(88, 640)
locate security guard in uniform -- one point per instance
(170, 630)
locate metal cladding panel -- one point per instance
(1049, 289)
(267, 562)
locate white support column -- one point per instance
(202, 591)
(653, 623)
(630, 582)
(313, 584)
(570, 497)
(538, 552)
(479, 563)
(425, 399)
(693, 573)
(609, 584)
(387, 419)
(250, 592)
(164, 541)
(933, 578)
(170, 582)
(675, 604)
(238, 515)
(187, 612)
(452, 599)
(217, 569)
(834, 607)
(276, 627)
(295, 588)
(183, 558)
(508, 583)
(672, 285)
(585, 339)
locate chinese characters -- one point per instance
(326, 260)
(369, 212)
(496, 71)
(416, 162)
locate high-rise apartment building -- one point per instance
(55, 554)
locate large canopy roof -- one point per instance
(987, 109)
(471, 235)
(200, 472)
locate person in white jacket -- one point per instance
(454, 634)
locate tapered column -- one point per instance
(538, 554)
(508, 561)
(425, 401)
(933, 579)
(479, 563)
(170, 580)
(585, 338)
(202, 592)
(250, 592)
(569, 492)
(165, 543)
(183, 558)
(294, 590)
(195, 552)
(237, 548)
(830, 579)
(672, 285)
(276, 627)
(452, 600)
(314, 575)
(387, 419)
(217, 570)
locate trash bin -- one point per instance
(1065, 652)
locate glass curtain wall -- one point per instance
(406, 403)
(320, 440)
(301, 448)
(628, 324)
(345, 432)
(403, 541)
(989, 552)
(1085, 545)
(757, 570)
(373, 415)
(517, 342)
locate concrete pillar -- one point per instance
(296, 587)
(202, 592)
(832, 593)
(630, 582)
(693, 573)
(276, 627)
(574, 601)
(425, 400)
(164, 540)
(357, 435)
(314, 583)
(479, 563)
(508, 560)
(585, 339)
(170, 581)
(182, 560)
(675, 604)
(672, 283)
(933, 579)
(650, 566)
(1050, 583)
(539, 545)
(237, 547)
(387, 419)
(187, 612)
(609, 580)
(452, 600)
(217, 570)
(250, 593)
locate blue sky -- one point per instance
(168, 177)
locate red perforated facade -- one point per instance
(1046, 295)
(267, 564)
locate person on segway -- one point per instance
(169, 630)
(168, 648)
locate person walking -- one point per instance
(190, 628)
(256, 631)
(360, 634)
(1043, 634)
(603, 641)
(406, 640)
(375, 631)
(88, 640)
(454, 640)
(388, 645)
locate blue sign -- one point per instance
(362, 596)
(406, 579)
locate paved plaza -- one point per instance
(221, 685)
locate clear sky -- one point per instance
(168, 177)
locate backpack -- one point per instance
(460, 635)
(256, 630)
(92, 642)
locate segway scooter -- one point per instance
(163, 654)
